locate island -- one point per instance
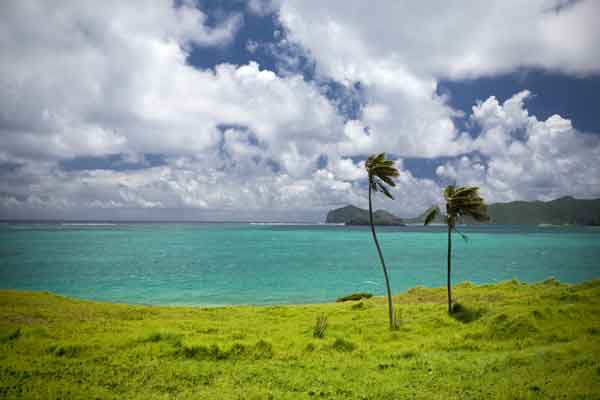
(352, 215)
(562, 211)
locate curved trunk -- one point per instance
(385, 274)
(449, 268)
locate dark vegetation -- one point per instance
(354, 297)
(562, 211)
(351, 215)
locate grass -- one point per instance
(507, 341)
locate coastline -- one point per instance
(439, 291)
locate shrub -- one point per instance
(551, 281)
(155, 337)
(260, 350)
(14, 335)
(320, 326)
(310, 347)
(263, 349)
(66, 350)
(466, 314)
(354, 296)
(343, 345)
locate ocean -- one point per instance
(214, 264)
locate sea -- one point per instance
(218, 264)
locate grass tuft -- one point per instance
(397, 318)
(320, 326)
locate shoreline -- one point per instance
(381, 298)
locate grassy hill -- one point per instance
(565, 210)
(511, 341)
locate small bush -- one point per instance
(552, 281)
(14, 335)
(155, 337)
(320, 326)
(201, 352)
(537, 314)
(66, 350)
(354, 297)
(262, 349)
(343, 345)
(466, 314)
(358, 306)
(237, 350)
(310, 347)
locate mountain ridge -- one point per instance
(565, 210)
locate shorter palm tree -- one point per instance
(460, 202)
(381, 173)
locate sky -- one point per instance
(266, 110)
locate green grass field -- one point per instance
(510, 341)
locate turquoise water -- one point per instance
(217, 264)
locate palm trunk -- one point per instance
(449, 268)
(385, 274)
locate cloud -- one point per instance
(87, 84)
(404, 43)
(522, 157)
(398, 51)
(238, 140)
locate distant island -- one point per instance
(563, 211)
(351, 215)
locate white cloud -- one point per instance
(525, 158)
(79, 80)
(263, 7)
(398, 51)
(87, 83)
(403, 44)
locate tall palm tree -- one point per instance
(381, 173)
(460, 201)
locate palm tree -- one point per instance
(460, 201)
(381, 172)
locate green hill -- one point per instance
(351, 215)
(510, 341)
(565, 210)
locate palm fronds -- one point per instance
(431, 214)
(381, 173)
(466, 201)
